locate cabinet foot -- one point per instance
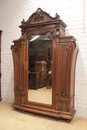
(57, 118)
(23, 110)
(69, 120)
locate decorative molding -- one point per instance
(63, 93)
(67, 46)
(39, 16)
(18, 87)
(54, 34)
(29, 35)
(57, 41)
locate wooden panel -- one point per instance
(18, 52)
(64, 106)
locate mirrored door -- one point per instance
(40, 69)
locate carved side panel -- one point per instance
(63, 62)
(66, 59)
(18, 58)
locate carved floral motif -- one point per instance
(67, 46)
(39, 15)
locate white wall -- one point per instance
(72, 12)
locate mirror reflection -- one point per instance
(40, 69)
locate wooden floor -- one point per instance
(11, 119)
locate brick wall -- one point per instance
(72, 12)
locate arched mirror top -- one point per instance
(43, 37)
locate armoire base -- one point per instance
(47, 112)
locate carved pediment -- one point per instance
(41, 19)
(40, 16)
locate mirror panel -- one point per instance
(40, 69)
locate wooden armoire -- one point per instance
(44, 38)
(0, 64)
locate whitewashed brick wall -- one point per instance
(72, 12)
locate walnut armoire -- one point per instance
(63, 62)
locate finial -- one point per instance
(23, 22)
(38, 10)
(57, 16)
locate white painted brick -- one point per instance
(72, 13)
